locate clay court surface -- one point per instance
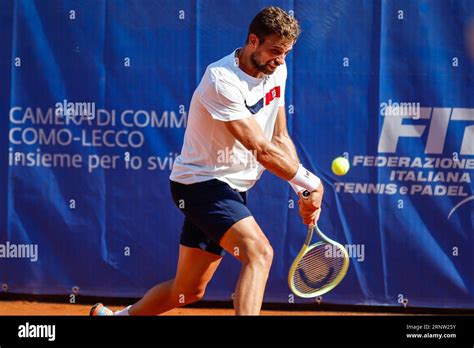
(48, 308)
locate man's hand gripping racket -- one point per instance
(320, 267)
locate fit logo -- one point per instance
(435, 121)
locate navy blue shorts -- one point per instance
(210, 209)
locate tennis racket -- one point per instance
(318, 268)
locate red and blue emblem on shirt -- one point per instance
(269, 97)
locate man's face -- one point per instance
(267, 56)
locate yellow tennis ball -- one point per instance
(340, 166)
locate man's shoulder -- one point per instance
(223, 69)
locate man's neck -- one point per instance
(245, 63)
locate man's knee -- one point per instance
(193, 296)
(258, 253)
(266, 255)
(247, 242)
(189, 293)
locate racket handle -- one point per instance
(305, 195)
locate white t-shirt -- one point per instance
(226, 93)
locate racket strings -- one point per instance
(318, 268)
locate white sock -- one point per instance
(123, 312)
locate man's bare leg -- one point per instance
(195, 269)
(246, 241)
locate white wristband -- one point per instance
(305, 179)
(296, 188)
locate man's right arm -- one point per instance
(279, 162)
(224, 102)
(250, 135)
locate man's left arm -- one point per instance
(281, 138)
(309, 208)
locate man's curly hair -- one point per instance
(273, 20)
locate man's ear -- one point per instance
(253, 40)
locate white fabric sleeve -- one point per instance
(223, 100)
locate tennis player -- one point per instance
(236, 129)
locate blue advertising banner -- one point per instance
(84, 201)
